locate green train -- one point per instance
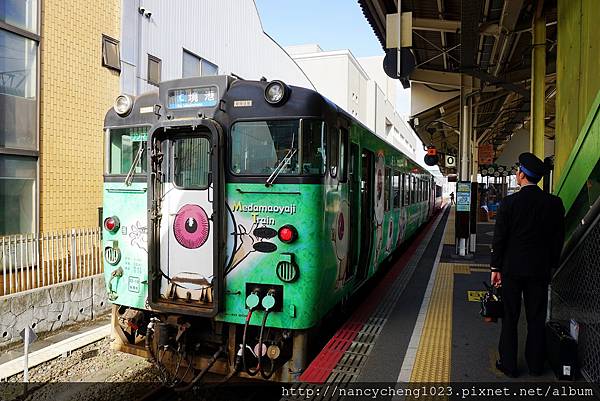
(237, 215)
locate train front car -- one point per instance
(242, 256)
(267, 206)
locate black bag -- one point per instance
(492, 307)
(561, 351)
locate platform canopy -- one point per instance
(482, 46)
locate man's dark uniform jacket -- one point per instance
(529, 234)
(528, 240)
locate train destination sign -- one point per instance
(192, 97)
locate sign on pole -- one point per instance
(463, 196)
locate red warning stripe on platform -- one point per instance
(324, 363)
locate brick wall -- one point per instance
(76, 92)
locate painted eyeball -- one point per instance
(191, 226)
(379, 184)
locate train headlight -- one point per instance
(123, 105)
(277, 93)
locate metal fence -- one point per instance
(576, 295)
(36, 260)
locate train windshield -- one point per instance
(127, 151)
(284, 147)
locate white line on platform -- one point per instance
(45, 354)
(413, 345)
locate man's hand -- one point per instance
(496, 279)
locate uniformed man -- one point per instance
(528, 240)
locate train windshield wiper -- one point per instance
(136, 160)
(282, 164)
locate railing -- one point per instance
(576, 291)
(37, 260)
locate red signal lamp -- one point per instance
(287, 234)
(112, 224)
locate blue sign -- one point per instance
(463, 196)
(192, 97)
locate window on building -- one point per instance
(20, 13)
(154, 67)
(18, 91)
(397, 200)
(111, 58)
(17, 194)
(195, 66)
(209, 68)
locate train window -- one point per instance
(387, 188)
(154, 67)
(191, 162)
(334, 145)
(260, 147)
(343, 154)
(126, 146)
(313, 147)
(413, 189)
(396, 189)
(406, 189)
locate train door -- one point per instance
(186, 238)
(354, 197)
(366, 211)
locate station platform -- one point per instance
(420, 322)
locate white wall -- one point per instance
(227, 33)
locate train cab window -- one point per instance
(396, 194)
(126, 147)
(387, 188)
(314, 147)
(258, 148)
(334, 155)
(191, 162)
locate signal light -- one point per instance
(112, 224)
(287, 234)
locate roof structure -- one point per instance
(483, 46)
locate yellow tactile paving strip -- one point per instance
(462, 269)
(449, 232)
(434, 354)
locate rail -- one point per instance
(31, 261)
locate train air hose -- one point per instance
(246, 368)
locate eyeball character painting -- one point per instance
(191, 226)
(340, 237)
